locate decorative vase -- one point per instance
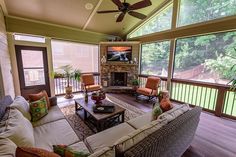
(69, 94)
(98, 97)
(86, 97)
(135, 88)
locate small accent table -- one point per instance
(100, 121)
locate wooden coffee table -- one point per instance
(100, 121)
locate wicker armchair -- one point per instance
(88, 83)
(151, 88)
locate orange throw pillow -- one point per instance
(34, 152)
(40, 95)
(165, 104)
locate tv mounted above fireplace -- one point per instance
(119, 53)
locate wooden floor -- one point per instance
(215, 137)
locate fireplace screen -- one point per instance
(119, 79)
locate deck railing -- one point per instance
(214, 98)
(60, 84)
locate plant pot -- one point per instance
(69, 94)
(135, 87)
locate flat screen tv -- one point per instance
(119, 53)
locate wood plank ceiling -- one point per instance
(73, 13)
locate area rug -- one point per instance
(82, 130)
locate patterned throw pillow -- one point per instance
(65, 151)
(156, 111)
(34, 152)
(38, 96)
(38, 109)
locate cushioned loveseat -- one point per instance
(168, 136)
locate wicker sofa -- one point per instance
(168, 136)
(172, 140)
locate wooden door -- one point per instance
(33, 69)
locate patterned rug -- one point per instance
(82, 130)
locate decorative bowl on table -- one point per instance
(98, 97)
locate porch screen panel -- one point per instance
(155, 58)
(195, 11)
(207, 58)
(81, 56)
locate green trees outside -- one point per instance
(155, 58)
(216, 52)
(195, 11)
(160, 22)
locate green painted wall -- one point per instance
(20, 25)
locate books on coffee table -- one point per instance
(103, 108)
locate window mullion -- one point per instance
(171, 64)
(175, 14)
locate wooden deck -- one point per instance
(215, 137)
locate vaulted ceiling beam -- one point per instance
(92, 14)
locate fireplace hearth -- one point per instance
(118, 79)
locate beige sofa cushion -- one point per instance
(140, 121)
(18, 129)
(138, 135)
(107, 137)
(54, 114)
(176, 111)
(80, 146)
(104, 152)
(7, 147)
(54, 133)
(23, 106)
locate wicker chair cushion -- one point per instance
(152, 82)
(146, 91)
(88, 79)
(138, 135)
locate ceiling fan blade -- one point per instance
(141, 4)
(120, 17)
(137, 15)
(108, 11)
(118, 3)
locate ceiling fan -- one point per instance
(128, 8)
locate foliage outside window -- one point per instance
(195, 11)
(159, 22)
(207, 58)
(155, 58)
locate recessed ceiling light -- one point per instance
(88, 6)
(116, 15)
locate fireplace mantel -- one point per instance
(118, 64)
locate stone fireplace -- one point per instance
(118, 79)
(115, 74)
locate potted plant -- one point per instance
(233, 70)
(68, 72)
(135, 84)
(233, 81)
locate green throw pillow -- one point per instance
(65, 151)
(156, 111)
(38, 109)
